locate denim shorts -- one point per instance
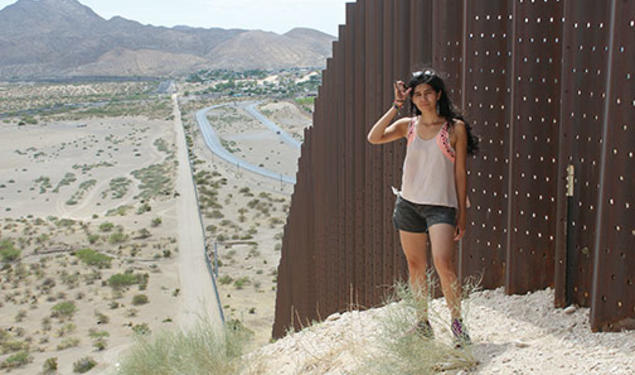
(417, 218)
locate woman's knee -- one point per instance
(444, 265)
(417, 263)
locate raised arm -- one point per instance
(383, 131)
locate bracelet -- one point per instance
(397, 106)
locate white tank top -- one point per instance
(428, 169)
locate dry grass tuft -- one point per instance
(399, 349)
(202, 350)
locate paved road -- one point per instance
(250, 107)
(199, 297)
(213, 142)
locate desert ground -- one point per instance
(244, 213)
(519, 334)
(87, 196)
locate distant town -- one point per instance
(297, 83)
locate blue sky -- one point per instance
(278, 16)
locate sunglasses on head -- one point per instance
(423, 73)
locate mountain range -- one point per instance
(63, 38)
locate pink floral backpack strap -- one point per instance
(411, 130)
(443, 141)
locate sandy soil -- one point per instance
(99, 150)
(56, 191)
(288, 117)
(511, 335)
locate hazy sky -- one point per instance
(278, 16)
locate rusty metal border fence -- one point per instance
(545, 84)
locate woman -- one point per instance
(433, 197)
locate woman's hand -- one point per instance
(460, 226)
(401, 94)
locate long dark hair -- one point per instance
(444, 105)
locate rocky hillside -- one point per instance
(269, 50)
(63, 38)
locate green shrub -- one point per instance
(50, 365)
(8, 252)
(64, 310)
(143, 208)
(93, 258)
(9, 345)
(69, 342)
(101, 318)
(16, 360)
(106, 226)
(93, 238)
(156, 222)
(100, 344)
(139, 299)
(117, 238)
(65, 222)
(28, 119)
(240, 283)
(84, 365)
(66, 328)
(118, 186)
(144, 233)
(141, 329)
(20, 315)
(216, 214)
(155, 180)
(119, 211)
(122, 280)
(225, 280)
(93, 333)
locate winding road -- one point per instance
(250, 107)
(213, 142)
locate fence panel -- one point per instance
(536, 54)
(540, 93)
(487, 102)
(613, 295)
(585, 47)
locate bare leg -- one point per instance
(444, 256)
(415, 248)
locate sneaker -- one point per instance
(423, 328)
(461, 337)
